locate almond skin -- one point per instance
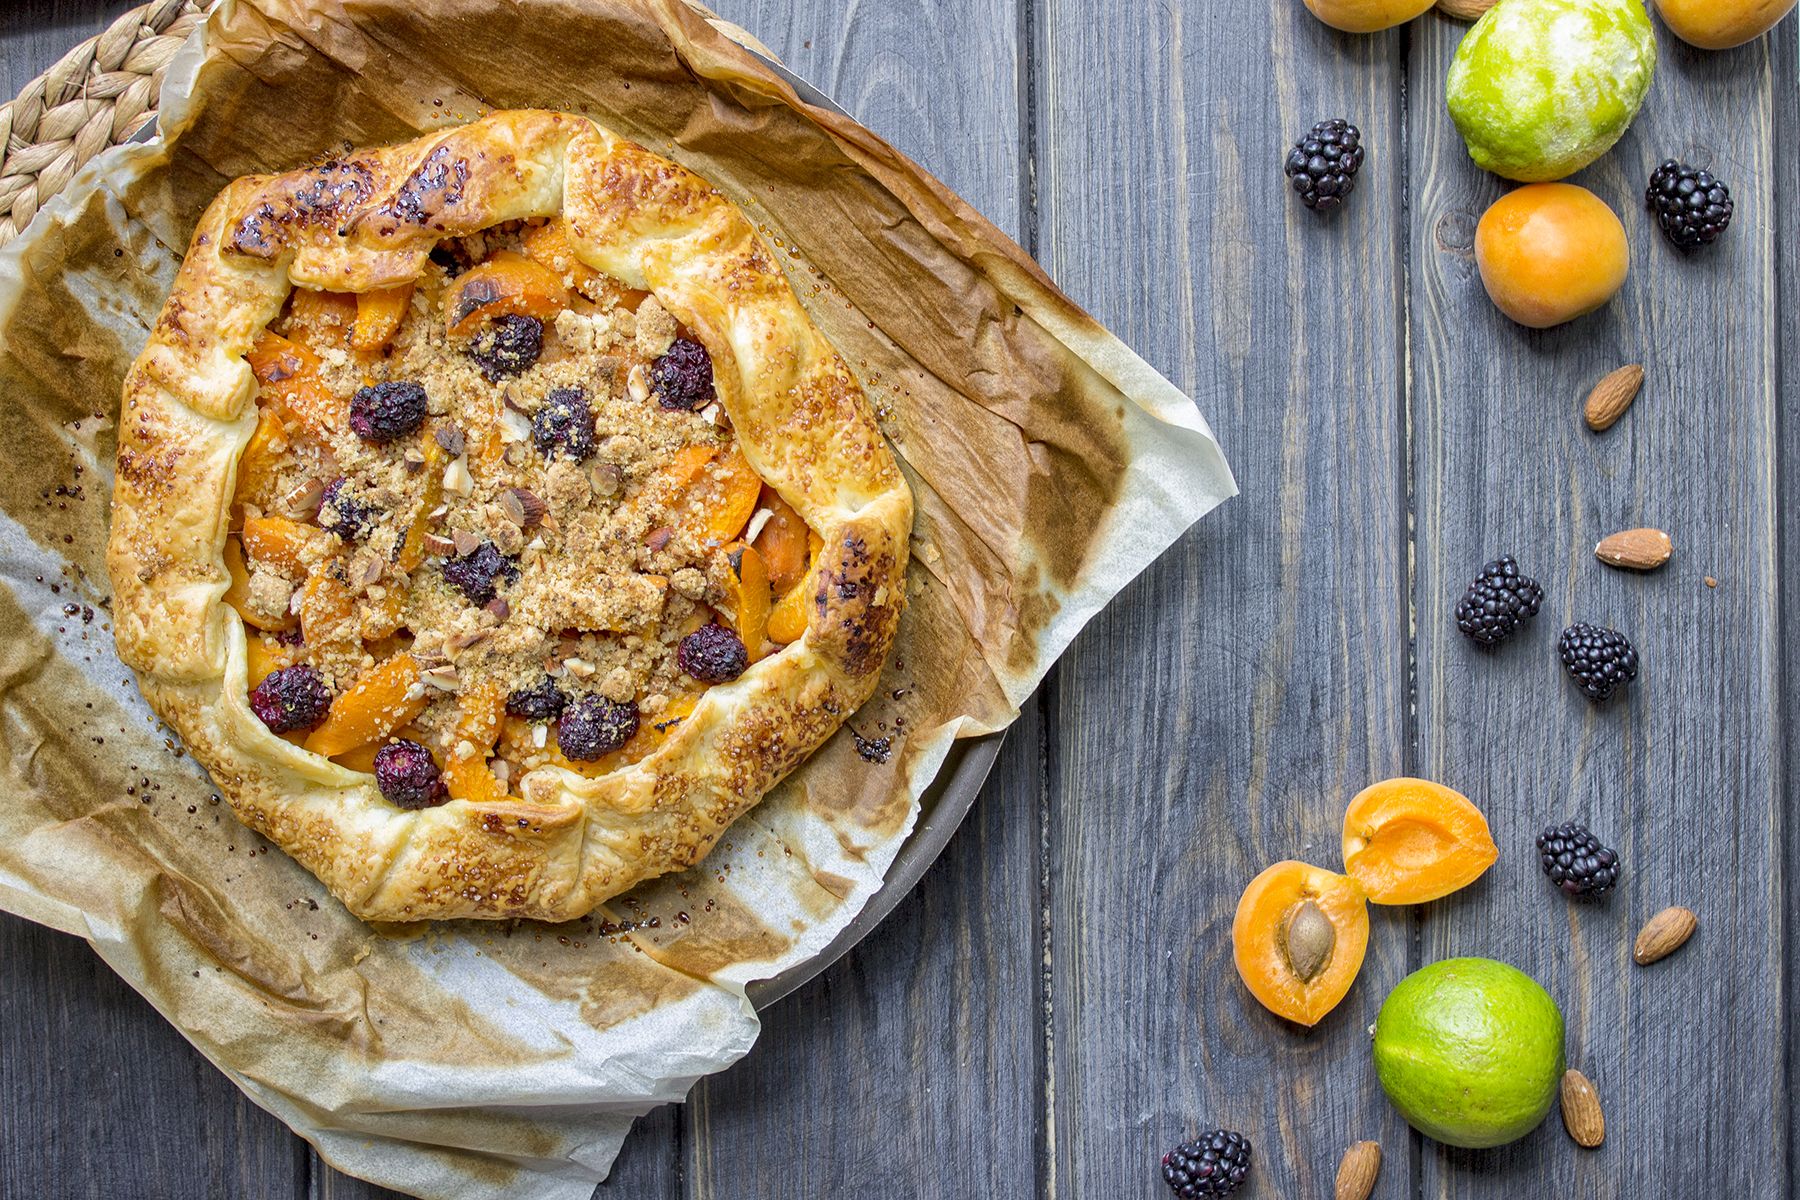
(1612, 396)
(1663, 934)
(1635, 549)
(1581, 1110)
(1357, 1171)
(1465, 10)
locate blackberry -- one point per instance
(683, 377)
(1692, 207)
(542, 701)
(1213, 1164)
(1598, 659)
(343, 514)
(1322, 165)
(712, 654)
(1576, 862)
(564, 425)
(594, 726)
(291, 698)
(1498, 602)
(408, 776)
(507, 345)
(386, 411)
(474, 573)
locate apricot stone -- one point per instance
(1721, 24)
(1366, 16)
(1551, 252)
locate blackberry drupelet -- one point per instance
(1322, 165)
(291, 698)
(565, 425)
(1692, 207)
(542, 701)
(712, 654)
(593, 726)
(408, 776)
(1498, 602)
(342, 513)
(1576, 862)
(1598, 659)
(1213, 1164)
(474, 574)
(507, 345)
(683, 377)
(386, 411)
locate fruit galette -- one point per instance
(492, 521)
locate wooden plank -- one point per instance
(103, 1098)
(1785, 55)
(1680, 774)
(1218, 716)
(910, 1066)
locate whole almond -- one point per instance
(1465, 10)
(1663, 934)
(1612, 396)
(1357, 1171)
(1581, 1110)
(1635, 549)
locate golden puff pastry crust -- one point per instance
(566, 841)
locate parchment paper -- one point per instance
(1050, 465)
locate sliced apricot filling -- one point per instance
(381, 700)
(378, 316)
(748, 591)
(1298, 939)
(450, 544)
(1407, 841)
(507, 284)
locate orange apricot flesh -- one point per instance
(1407, 841)
(1551, 252)
(1298, 939)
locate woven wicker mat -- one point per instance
(105, 90)
(99, 93)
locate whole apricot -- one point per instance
(1366, 16)
(1721, 24)
(1298, 939)
(1551, 252)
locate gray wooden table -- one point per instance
(1055, 1005)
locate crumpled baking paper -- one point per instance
(1050, 465)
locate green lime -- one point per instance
(1470, 1051)
(1541, 88)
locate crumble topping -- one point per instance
(497, 514)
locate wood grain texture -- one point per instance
(102, 1098)
(910, 1067)
(1681, 772)
(1055, 1005)
(1219, 715)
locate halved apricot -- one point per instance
(507, 283)
(1407, 841)
(1298, 939)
